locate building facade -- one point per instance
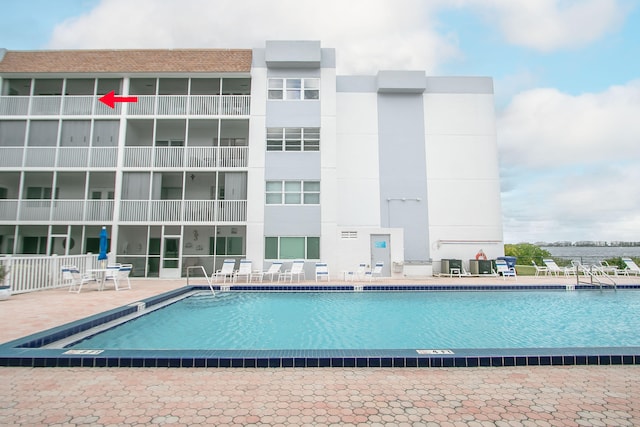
(264, 154)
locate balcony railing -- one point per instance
(99, 157)
(183, 211)
(190, 157)
(147, 105)
(56, 210)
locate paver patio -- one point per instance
(531, 396)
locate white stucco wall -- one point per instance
(462, 176)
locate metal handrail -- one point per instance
(595, 273)
(189, 268)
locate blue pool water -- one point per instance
(383, 320)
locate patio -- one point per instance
(574, 395)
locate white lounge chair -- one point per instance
(272, 272)
(552, 266)
(243, 271)
(228, 266)
(631, 267)
(503, 269)
(322, 271)
(76, 280)
(356, 275)
(376, 272)
(297, 271)
(609, 269)
(540, 269)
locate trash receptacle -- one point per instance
(510, 260)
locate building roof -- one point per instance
(127, 61)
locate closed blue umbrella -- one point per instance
(103, 244)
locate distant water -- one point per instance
(593, 254)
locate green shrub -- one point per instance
(526, 253)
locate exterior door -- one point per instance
(381, 251)
(170, 260)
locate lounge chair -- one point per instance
(609, 269)
(376, 272)
(75, 279)
(243, 271)
(119, 274)
(358, 274)
(553, 267)
(631, 267)
(274, 269)
(228, 266)
(322, 271)
(540, 269)
(297, 270)
(503, 269)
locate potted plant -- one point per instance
(5, 290)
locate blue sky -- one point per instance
(566, 76)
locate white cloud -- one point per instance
(570, 165)
(548, 25)
(369, 34)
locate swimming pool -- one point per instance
(43, 349)
(382, 320)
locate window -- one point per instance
(226, 245)
(292, 248)
(293, 139)
(293, 89)
(292, 193)
(40, 193)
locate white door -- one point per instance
(381, 252)
(170, 258)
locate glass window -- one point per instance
(292, 191)
(275, 139)
(271, 248)
(312, 89)
(276, 89)
(313, 248)
(311, 192)
(292, 247)
(274, 193)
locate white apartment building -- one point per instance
(264, 154)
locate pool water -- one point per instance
(383, 320)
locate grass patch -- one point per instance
(525, 270)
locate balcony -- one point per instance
(207, 211)
(189, 157)
(57, 210)
(147, 105)
(43, 157)
(143, 211)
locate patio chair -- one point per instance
(274, 269)
(123, 275)
(609, 269)
(297, 270)
(76, 280)
(358, 274)
(322, 271)
(376, 272)
(552, 267)
(540, 269)
(228, 266)
(503, 269)
(631, 267)
(243, 271)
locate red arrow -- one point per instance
(110, 99)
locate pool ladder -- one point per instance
(597, 276)
(204, 272)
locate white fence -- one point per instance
(35, 273)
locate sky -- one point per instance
(566, 79)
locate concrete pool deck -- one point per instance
(509, 396)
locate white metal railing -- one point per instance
(137, 157)
(73, 156)
(56, 210)
(147, 105)
(186, 211)
(103, 157)
(208, 157)
(34, 273)
(169, 157)
(11, 156)
(78, 105)
(14, 105)
(40, 156)
(8, 210)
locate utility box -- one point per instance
(481, 266)
(448, 264)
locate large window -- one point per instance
(292, 89)
(293, 193)
(292, 248)
(293, 139)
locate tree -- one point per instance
(526, 252)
